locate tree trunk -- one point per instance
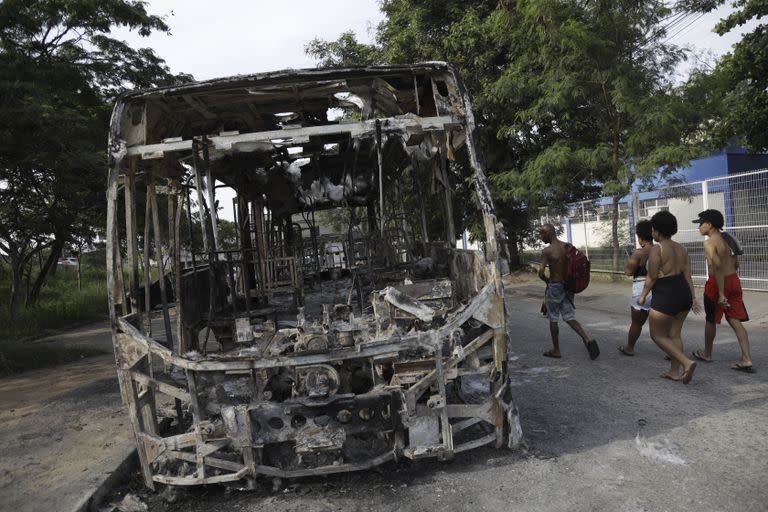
(54, 265)
(615, 231)
(27, 279)
(48, 270)
(79, 267)
(17, 270)
(514, 252)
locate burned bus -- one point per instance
(252, 342)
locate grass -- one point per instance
(61, 306)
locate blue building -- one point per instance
(731, 160)
(725, 180)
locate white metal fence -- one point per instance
(742, 198)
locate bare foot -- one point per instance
(701, 356)
(671, 376)
(688, 373)
(552, 353)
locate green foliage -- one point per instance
(338, 220)
(75, 35)
(734, 95)
(227, 234)
(59, 71)
(61, 305)
(588, 98)
(744, 74)
(345, 51)
(571, 98)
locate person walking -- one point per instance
(722, 292)
(559, 301)
(669, 277)
(637, 270)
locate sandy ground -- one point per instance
(61, 428)
(604, 435)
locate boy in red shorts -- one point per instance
(722, 293)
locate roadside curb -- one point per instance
(120, 474)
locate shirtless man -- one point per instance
(559, 300)
(722, 293)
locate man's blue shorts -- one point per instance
(559, 303)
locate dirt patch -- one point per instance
(61, 431)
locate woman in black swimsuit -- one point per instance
(669, 276)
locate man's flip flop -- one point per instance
(623, 351)
(550, 353)
(697, 354)
(742, 368)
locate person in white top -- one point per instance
(636, 269)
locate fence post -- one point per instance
(584, 225)
(730, 216)
(705, 204)
(635, 208)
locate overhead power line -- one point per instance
(676, 20)
(685, 28)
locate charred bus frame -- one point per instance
(231, 363)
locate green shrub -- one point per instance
(61, 304)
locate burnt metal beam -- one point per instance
(362, 128)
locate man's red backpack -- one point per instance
(577, 269)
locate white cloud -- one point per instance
(212, 39)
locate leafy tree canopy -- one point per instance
(59, 70)
(735, 92)
(572, 98)
(345, 51)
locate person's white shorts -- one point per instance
(637, 289)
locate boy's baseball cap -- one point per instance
(714, 217)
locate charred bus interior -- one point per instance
(267, 344)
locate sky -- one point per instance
(253, 36)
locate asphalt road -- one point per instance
(602, 435)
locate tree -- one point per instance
(60, 70)
(735, 93)
(416, 30)
(572, 98)
(597, 98)
(345, 51)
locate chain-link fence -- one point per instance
(742, 198)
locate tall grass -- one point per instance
(61, 304)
